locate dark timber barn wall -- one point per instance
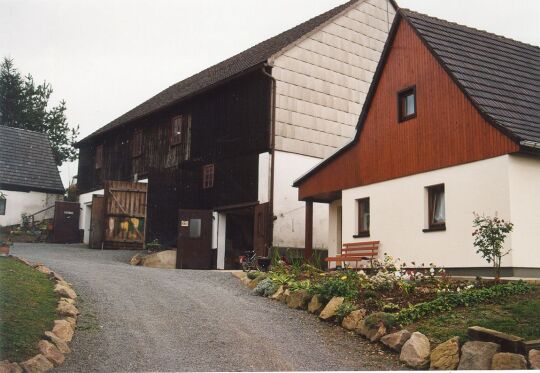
(230, 126)
(447, 130)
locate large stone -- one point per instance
(59, 343)
(329, 311)
(476, 355)
(64, 291)
(286, 295)
(534, 359)
(253, 283)
(508, 361)
(445, 356)
(63, 330)
(37, 364)
(44, 270)
(350, 322)
(395, 341)
(508, 342)
(415, 352)
(315, 304)
(245, 281)
(67, 309)
(51, 352)
(298, 299)
(72, 321)
(68, 300)
(374, 334)
(57, 277)
(162, 259)
(7, 367)
(278, 294)
(136, 259)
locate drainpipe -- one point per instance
(272, 157)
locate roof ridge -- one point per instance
(23, 129)
(406, 12)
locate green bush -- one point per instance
(343, 310)
(265, 288)
(389, 320)
(448, 301)
(343, 285)
(299, 285)
(253, 275)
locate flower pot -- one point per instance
(4, 249)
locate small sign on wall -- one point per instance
(184, 223)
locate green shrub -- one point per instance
(343, 310)
(253, 275)
(389, 320)
(447, 301)
(280, 278)
(343, 285)
(299, 285)
(265, 288)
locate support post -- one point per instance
(308, 251)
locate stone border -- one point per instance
(54, 344)
(483, 352)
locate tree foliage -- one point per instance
(489, 236)
(25, 104)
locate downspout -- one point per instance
(271, 144)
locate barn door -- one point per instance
(261, 230)
(66, 222)
(194, 249)
(96, 222)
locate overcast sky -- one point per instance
(105, 57)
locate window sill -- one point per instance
(361, 234)
(435, 228)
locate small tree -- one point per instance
(489, 236)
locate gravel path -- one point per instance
(144, 319)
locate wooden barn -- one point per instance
(221, 149)
(451, 127)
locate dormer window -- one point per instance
(407, 104)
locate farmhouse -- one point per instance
(451, 126)
(221, 149)
(29, 178)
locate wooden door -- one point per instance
(96, 222)
(66, 222)
(261, 230)
(194, 249)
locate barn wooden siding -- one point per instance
(227, 122)
(322, 81)
(447, 130)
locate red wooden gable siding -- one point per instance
(447, 130)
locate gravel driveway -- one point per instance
(145, 319)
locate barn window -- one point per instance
(177, 129)
(99, 157)
(208, 176)
(136, 144)
(407, 104)
(2, 205)
(363, 217)
(436, 211)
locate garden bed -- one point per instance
(28, 307)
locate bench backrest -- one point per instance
(369, 248)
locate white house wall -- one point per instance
(85, 202)
(398, 209)
(524, 176)
(18, 203)
(322, 81)
(289, 226)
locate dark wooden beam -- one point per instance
(308, 252)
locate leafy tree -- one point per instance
(25, 104)
(489, 236)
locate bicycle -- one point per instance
(250, 261)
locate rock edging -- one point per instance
(54, 345)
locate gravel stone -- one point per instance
(148, 319)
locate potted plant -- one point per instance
(5, 245)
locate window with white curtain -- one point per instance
(436, 208)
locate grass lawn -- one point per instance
(27, 309)
(518, 315)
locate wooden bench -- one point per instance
(356, 252)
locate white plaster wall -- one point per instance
(221, 229)
(334, 230)
(322, 81)
(264, 178)
(85, 201)
(18, 203)
(525, 210)
(289, 227)
(398, 210)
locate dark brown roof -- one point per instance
(27, 162)
(501, 76)
(229, 68)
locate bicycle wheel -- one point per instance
(245, 266)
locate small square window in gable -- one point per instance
(407, 104)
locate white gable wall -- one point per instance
(321, 85)
(18, 203)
